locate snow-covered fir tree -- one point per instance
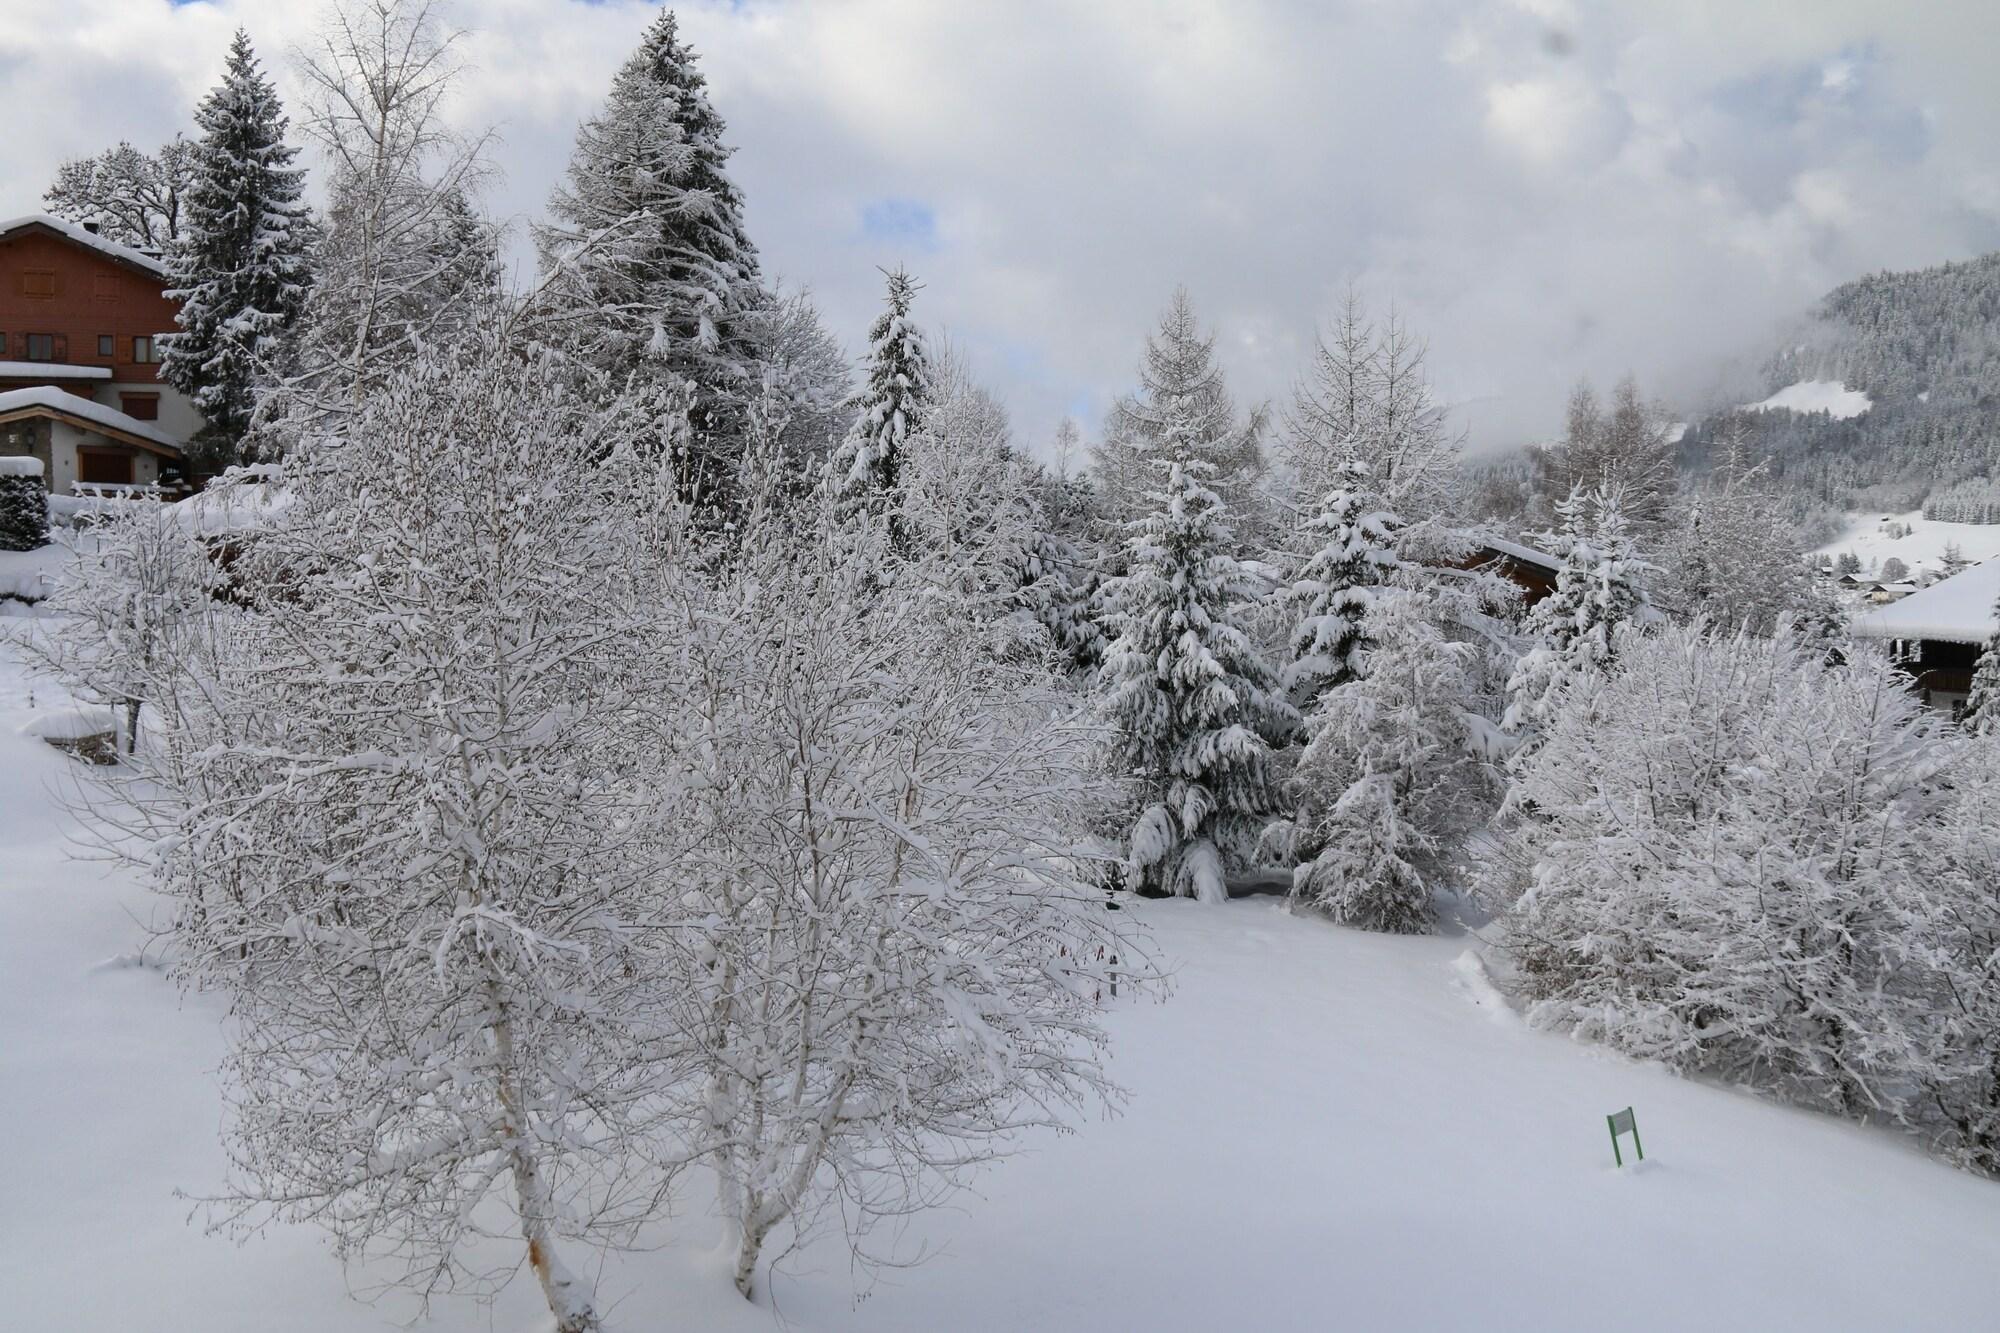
(240, 266)
(1354, 538)
(1982, 705)
(1573, 630)
(649, 268)
(1193, 702)
(895, 392)
(24, 505)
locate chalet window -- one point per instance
(41, 346)
(143, 351)
(104, 466)
(38, 282)
(140, 406)
(106, 345)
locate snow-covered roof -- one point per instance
(1958, 609)
(51, 370)
(64, 403)
(85, 237)
(1525, 554)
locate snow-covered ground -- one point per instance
(1328, 1130)
(1922, 545)
(1829, 396)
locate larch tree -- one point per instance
(240, 266)
(1194, 706)
(1366, 397)
(1730, 555)
(1182, 411)
(647, 264)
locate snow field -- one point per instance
(1328, 1128)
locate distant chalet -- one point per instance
(80, 323)
(1533, 572)
(1937, 632)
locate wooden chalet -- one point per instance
(1937, 633)
(80, 323)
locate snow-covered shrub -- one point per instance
(890, 960)
(123, 609)
(24, 505)
(1719, 853)
(399, 825)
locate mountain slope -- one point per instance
(1924, 347)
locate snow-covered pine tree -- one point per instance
(1982, 705)
(1355, 540)
(1193, 703)
(650, 270)
(24, 505)
(240, 267)
(1573, 629)
(1385, 788)
(897, 389)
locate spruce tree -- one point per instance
(1982, 705)
(1194, 705)
(240, 266)
(654, 272)
(1356, 555)
(868, 466)
(1575, 626)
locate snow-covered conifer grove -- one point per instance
(616, 744)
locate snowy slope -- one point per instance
(1829, 396)
(1328, 1129)
(1870, 537)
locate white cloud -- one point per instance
(1547, 189)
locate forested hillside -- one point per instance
(1924, 346)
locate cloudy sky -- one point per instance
(1545, 188)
